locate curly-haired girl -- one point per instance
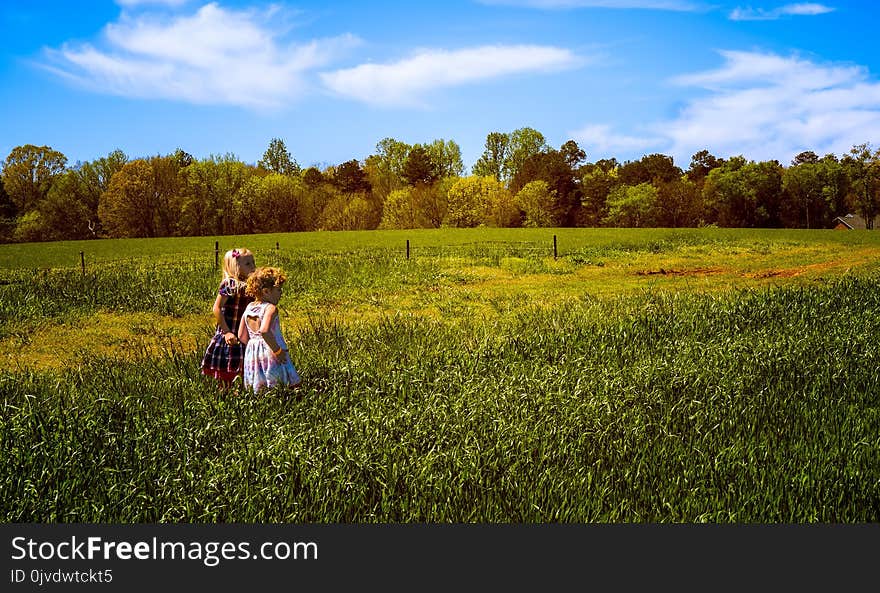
(266, 361)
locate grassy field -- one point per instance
(660, 375)
(537, 241)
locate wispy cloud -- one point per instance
(212, 56)
(760, 14)
(408, 81)
(599, 140)
(769, 106)
(761, 105)
(679, 5)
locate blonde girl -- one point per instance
(224, 355)
(266, 360)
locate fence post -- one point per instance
(82, 260)
(216, 255)
(554, 246)
(276, 246)
(407, 249)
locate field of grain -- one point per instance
(695, 375)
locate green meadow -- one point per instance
(569, 240)
(640, 375)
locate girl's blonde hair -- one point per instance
(230, 265)
(265, 277)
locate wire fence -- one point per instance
(476, 252)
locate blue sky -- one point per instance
(622, 78)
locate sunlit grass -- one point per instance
(757, 406)
(429, 242)
(677, 377)
(49, 318)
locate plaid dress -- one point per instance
(221, 360)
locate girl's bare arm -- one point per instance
(218, 313)
(242, 330)
(266, 331)
(221, 322)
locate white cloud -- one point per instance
(679, 5)
(213, 56)
(807, 9)
(743, 69)
(760, 14)
(406, 82)
(765, 106)
(599, 140)
(759, 105)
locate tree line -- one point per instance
(519, 180)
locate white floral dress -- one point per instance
(261, 367)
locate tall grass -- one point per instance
(751, 406)
(183, 286)
(31, 256)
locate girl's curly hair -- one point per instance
(264, 277)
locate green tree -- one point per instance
(419, 168)
(468, 205)
(744, 193)
(632, 206)
(277, 159)
(69, 210)
(536, 201)
(28, 172)
(475, 201)
(213, 203)
(503, 209)
(606, 165)
(128, 207)
(66, 212)
(596, 185)
(495, 154)
(679, 203)
(354, 181)
(7, 214)
(573, 154)
(30, 227)
(805, 157)
(385, 168)
(400, 211)
(313, 177)
(95, 178)
(278, 203)
(446, 155)
(421, 206)
(167, 188)
(434, 201)
(7, 208)
(803, 197)
(183, 158)
(766, 178)
(320, 196)
(349, 212)
(652, 168)
(524, 144)
(552, 167)
(702, 163)
(835, 187)
(862, 164)
(351, 178)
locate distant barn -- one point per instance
(850, 222)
